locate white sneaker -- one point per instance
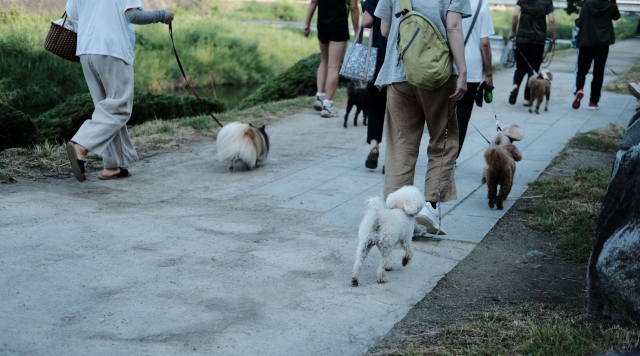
(329, 111)
(429, 218)
(318, 103)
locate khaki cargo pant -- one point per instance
(408, 109)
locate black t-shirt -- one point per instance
(532, 26)
(332, 15)
(378, 41)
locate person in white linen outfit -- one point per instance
(105, 46)
(477, 54)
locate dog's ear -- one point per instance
(514, 152)
(550, 75)
(513, 132)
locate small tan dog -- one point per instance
(540, 87)
(500, 165)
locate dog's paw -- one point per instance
(545, 109)
(405, 261)
(491, 205)
(354, 282)
(500, 207)
(382, 280)
(389, 268)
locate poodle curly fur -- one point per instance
(540, 87)
(500, 165)
(385, 226)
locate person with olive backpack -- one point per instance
(425, 74)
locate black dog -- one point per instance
(360, 98)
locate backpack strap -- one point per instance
(405, 8)
(475, 17)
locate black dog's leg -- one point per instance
(349, 106)
(355, 118)
(365, 113)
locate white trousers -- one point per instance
(110, 82)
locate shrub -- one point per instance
(299, 80)
(64, 120)
(16, 128)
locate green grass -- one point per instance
(46, 150)
(620, 84)
(607, 139)
(533, 329)
(215, 48)
(569, 208)
(280, 11)
(200, 123)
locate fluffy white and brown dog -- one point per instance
(238, 142)
(500, 165)
(540, 87)
(385, 226)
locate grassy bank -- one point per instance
(569, 208)
(216, 49)
(536, 329)
(620, 84)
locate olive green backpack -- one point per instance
(425, 55)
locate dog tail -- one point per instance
(496, 158)
(376, 204)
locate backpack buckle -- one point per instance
(402, 13)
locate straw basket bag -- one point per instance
(62, 41)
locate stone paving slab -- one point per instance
(187, 258)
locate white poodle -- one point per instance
(385, 225)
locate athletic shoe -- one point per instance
(513, 96)
(318, 104)
(431, 219)
(329, 111)
(576, 99)
(593, 106)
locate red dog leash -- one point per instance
(204, 106)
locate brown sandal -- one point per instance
(124, 173)
(77, 166)
(372, 158)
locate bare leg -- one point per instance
(322, 68)
(373, 143)
(336, 53)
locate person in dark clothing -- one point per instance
(530, 39)
(595, 36)
(377, 98)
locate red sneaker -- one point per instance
(593, 106)
(576, 100)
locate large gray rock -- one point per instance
(614, 266)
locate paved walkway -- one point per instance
(185, 258)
